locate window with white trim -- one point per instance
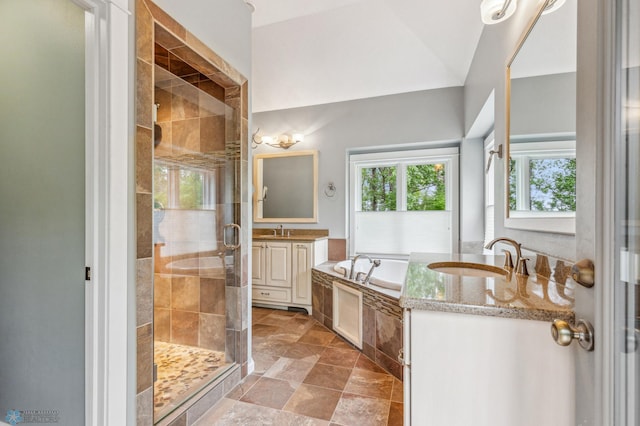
(404, 201)
(542, 177)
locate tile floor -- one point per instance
(182, 370)
(307, 375)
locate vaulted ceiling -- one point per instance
(309, 52)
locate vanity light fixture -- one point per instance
(494, 11)
(281, 141)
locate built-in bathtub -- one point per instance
(389, 274)
(206, 266)
(379, 314)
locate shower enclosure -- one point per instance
(194, 233)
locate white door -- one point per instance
(42, 212)
(623, 345)
(608, 220)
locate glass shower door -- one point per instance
(194, 183)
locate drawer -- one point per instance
(271, 294)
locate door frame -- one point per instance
(109, 397)
(604, 111)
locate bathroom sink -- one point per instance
(468, 269)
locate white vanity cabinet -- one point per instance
(485, 371)
(281, 271)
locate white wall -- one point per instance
(488, 73)
(430, 117)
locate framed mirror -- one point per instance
(285, 187)
(541, 123)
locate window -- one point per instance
(183, 188)
(542, 177)
(404, 201)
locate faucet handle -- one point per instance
(360, 275)
(508, 260)
(522, 266)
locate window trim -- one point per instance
(521, 153)
(448, 156)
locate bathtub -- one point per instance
(390, 274)
(197, 265)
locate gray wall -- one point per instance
(430, 118)
(471, 194)
(488, 73)
(544, 104)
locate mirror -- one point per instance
(285, 187)
(541, 124)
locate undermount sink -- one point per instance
(468, 269)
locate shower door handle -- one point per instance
(236, 236)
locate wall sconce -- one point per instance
(494, 11)
(280, 141)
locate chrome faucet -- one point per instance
(375, 264)
(353, 263)
(520, 263)
(281, 228)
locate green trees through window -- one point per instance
(180, 188)
(551, 186)
(378, 189)
(425, 187)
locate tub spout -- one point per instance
(353, 264)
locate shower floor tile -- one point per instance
(182, 370)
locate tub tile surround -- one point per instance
(382, 317)
(185, 54)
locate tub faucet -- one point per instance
(353, 263)
(520, 263)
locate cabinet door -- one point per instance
(258, 265)
(302, 258)
(278, 264)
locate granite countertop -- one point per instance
(511, 296)
(290, 234)
(292, 237)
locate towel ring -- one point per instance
(330, 190)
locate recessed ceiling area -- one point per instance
(310, 52)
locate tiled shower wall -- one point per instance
(153, 24)
(189, 310)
